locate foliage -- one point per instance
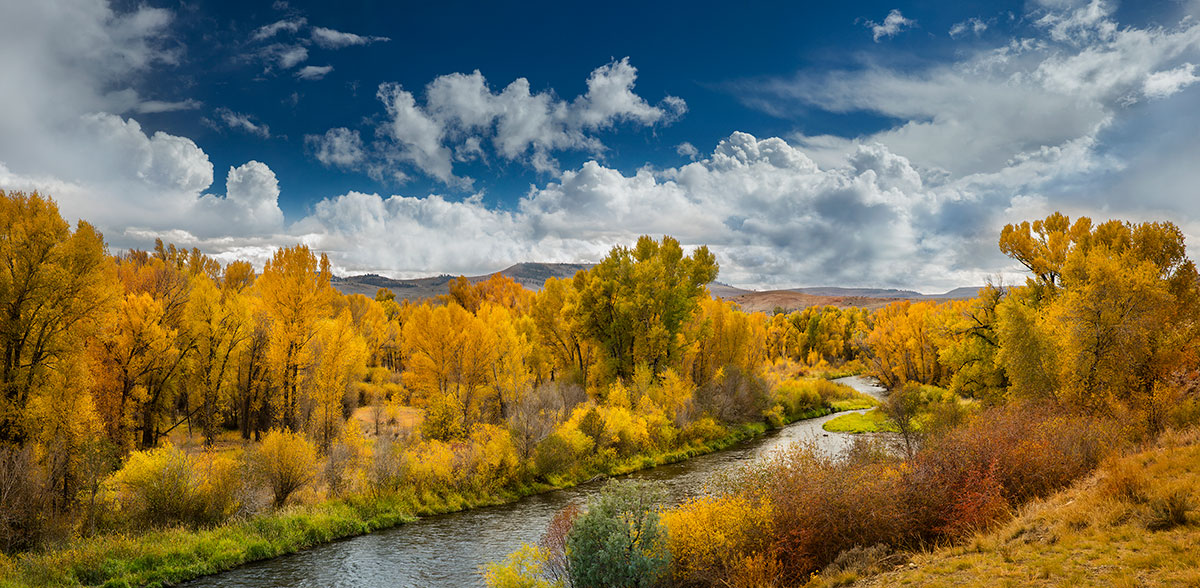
(619, 541)
(286, 462)
(521, 569)
(635, 302)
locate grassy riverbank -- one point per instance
(1132, 523)
(171, 555)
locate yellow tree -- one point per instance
(296, 295)
(56, 286)
(635, 302)
(219, 321)
(903, 345)
(1121, 310)
(508, 375)
(133, 352)
(558, 330)
(340, 357)
(448, 357)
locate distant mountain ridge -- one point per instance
(534, 275)
(964, 292)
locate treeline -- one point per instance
(107, 356)
(999, 399)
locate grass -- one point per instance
(1133, 523)
(168, 556)
(871, 421)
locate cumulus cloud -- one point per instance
(340, 147)
(461, 112)
(687, 150)
(83, 148)
(892, 24)
(314, 72)
(1161, 84)
(331, 39)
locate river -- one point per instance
(451, 549)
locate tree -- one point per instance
(340, 359)
(449, 354)
(296, 295)
(56, 287)
(219, 322)
(619, 542)
(1113, 303)
(557, 327)
(635, 303)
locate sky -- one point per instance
(879, 144)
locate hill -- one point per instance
(1133, 523)
(530, 275)
(534, 275)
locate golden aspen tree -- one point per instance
(55, 287)
(558, 330)
(508, 373)
(448, 356)
(296, 295)
(635, 302)
(219, 323)
(340, 356)
(136, 347)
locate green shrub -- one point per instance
(619, 541)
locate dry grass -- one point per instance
(1100, 532)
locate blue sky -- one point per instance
(867, 143)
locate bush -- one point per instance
(619, 541)
(23, 502)
(798, 397)
(712, 538)
(521, 569)
(1170, 511)
(160, 487)
(554, 456)
(389, 467)
(285, 462)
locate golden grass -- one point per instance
(1096, 533)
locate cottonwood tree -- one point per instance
(296, 295)
(635, 303)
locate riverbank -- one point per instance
(173, 555)
(1130, 524)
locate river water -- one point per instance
(451, 549)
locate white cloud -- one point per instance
(242, 122)
(290, 25)
(340, 147)
(687, 150)
(1165, 83)
(331, 39)
(971, 25)
(285, 56)
(81, 147)
(314, 72)
(891, 25)
(156, 106)
(461, 112)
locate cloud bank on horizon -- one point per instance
(1061, 107)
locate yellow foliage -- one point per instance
(521, 569)
(431, 465)
(710, 537)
